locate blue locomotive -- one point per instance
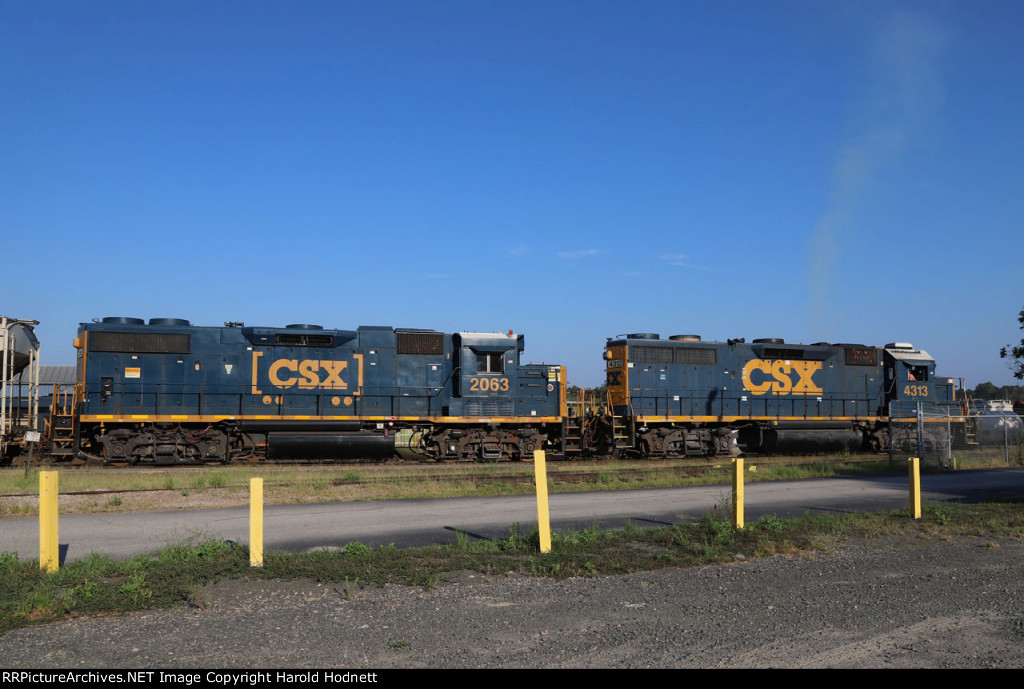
(692, 398)
(167, 392)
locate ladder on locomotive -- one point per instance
(589, 415)
(584, 416)
(622, 438)
(575, 426)
(60, 427)
(971, 417)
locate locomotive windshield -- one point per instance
(490, 362)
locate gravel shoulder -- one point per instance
(938, 603)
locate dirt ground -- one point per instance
(129, 501)
(940, 603)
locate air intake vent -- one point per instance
(780, 353)
(297, 340)
(861, 356)
(420, 343)
(494, 407)
(695, 355)
(140, 343)
(650, 355)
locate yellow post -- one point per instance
(49, 545)
(256, 522)
(737, 492)
(540, 471)
(915, 487)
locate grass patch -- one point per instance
(176, 574)
(991, 456)
(229, 485)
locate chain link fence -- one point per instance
(947, 439)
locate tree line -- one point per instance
(988, 391)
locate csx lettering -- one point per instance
(284, 373)
(781, 377)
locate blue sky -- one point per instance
(838, 171)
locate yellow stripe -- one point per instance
(938, 419)
(726, 419)
(206, 418)
(730, 419)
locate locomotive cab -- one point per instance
(910, 378)
(487, 370)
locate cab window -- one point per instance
(917, 373)
(489, 362)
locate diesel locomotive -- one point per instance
(685, 397)
(167, 392)
(170, 392)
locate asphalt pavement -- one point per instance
(404, 523)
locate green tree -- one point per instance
(985, 391)
(1016, 352)
(988, 391)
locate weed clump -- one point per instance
(356, 548)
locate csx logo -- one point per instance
(308, 374)
(777, 375)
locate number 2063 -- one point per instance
(488, 384)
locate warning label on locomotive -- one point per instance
(133, 372)
(781, 377)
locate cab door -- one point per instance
(487, 380)
(908, 381)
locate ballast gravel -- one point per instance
(955, 603)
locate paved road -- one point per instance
(295, 528)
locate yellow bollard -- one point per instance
(49, 545)
(737, 492)
(256, 522)
(915, 487)
(540, 472)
